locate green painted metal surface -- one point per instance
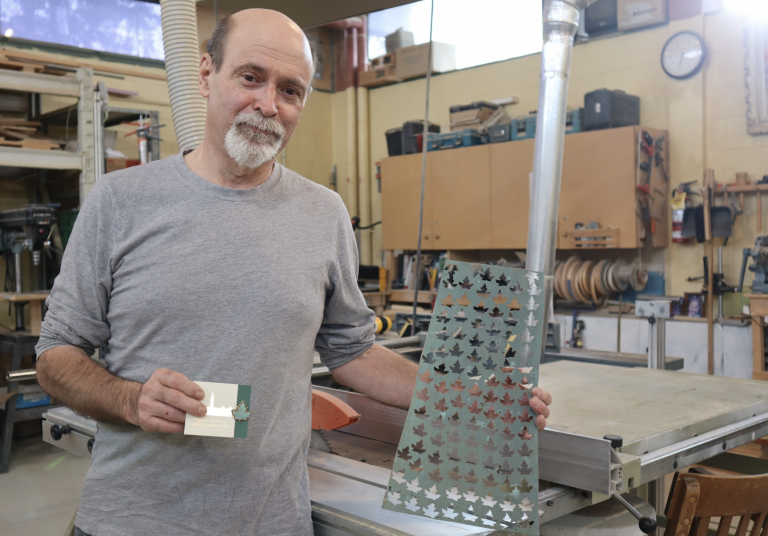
(468, 452)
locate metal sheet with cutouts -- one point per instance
(468, 452)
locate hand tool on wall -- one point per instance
(706, 193)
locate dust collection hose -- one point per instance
(182, 62)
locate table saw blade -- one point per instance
(318, 441)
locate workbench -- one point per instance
(668, 421)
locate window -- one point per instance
(483, 31)
(121, 26)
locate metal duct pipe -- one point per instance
(182, 64)
(560, 22)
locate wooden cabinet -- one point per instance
(460, 195)
(511, 167)
(400, 196)
(478, 197)
(600, 174)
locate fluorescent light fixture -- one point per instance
(755, 9)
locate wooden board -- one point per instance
(400, 196)
(30, 144)
(511, 166)
(24, 296)
(460, 186)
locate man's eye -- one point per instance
(292, 92)
(249, 78)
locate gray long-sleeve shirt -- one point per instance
(223, 285)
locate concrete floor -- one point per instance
(40, 493)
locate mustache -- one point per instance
(270, 125)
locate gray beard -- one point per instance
(251, 149)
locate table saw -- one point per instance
(667, 421)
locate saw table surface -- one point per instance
(650, 409)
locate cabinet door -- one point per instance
(511, 166)
(400, 195)
(599, 183)
(460, 184)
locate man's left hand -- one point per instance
(540, 404)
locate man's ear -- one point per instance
(206, 70)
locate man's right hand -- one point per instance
(161, 404)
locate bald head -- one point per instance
(269, 25)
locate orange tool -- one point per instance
(330, 413)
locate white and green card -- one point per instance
(228, 413)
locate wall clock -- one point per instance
(683, 55)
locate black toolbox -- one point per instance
(410, 130)
(394, 141)
(606, 108)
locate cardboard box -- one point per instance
(399, 39)
(639, 13)
(378, 77)
(411, 62)
(113, 164)
(383, 61)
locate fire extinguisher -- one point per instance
(679, 202)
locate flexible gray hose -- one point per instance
(182, 62)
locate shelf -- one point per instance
(36, 158)
(406, 295)
(39, 83)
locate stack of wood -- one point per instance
(25, 134)
(586, 281)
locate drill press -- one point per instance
(24, 229)
(759, 255)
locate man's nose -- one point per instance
(266, 101)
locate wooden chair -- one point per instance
(695, 499)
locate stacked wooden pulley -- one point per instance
(587, 281)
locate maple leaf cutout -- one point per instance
(453, 493)
(492, 381)
(425, 377)
(412, 505)
(432, 493)
(430, 511)
(490, 397)
(488, 501)
(457, 385)
(241, 413)
(449, 513)
(394, 498)
(441, 388)
(475, 391)
(423, 394)
(413, 485)
(434, 476)
(474, 408)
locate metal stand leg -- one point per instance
(10, 413)
(657, 357)
(656, 497)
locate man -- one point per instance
(219, 265)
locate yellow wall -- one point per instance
(705, 115)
